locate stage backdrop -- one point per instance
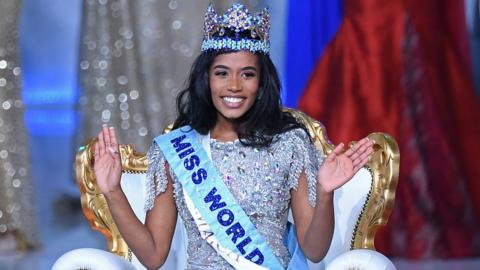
(17, 214)
(404, 67)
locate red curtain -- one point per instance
(402, 67)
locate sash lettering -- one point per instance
(209, 197)
(213, 200)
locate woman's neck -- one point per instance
(224, 130)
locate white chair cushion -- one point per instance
(134, 187)
(91, 259)
(361, 259)
(348, 202)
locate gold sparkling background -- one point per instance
(17, 214)
(135, 58)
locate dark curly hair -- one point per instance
(257, 126)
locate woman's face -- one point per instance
(234, 79)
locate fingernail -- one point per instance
(104, 125)
(112, 128)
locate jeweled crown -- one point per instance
(236, 30)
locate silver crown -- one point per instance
(246, 32)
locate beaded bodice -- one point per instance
(261, 181)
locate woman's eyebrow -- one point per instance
(243, 69)
(221, 66)
(249, 68)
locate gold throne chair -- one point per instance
(361, 206)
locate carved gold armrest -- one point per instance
(94, 205)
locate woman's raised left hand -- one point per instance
(339, 167)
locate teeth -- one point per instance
(232, 99)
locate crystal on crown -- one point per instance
(251, 33)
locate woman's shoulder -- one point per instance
(292, 139)
(295, 134)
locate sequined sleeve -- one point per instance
(156, 175)
(305, 158)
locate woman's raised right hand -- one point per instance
(107, 165)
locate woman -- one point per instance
(258, 161)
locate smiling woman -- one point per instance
(237, 91)
(234, 79)
(232, 150)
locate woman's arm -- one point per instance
(315, 224)
(150, 241)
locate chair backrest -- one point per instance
(361, 205)
(94, 205)
(364, 203)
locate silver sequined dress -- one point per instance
(259, 179)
